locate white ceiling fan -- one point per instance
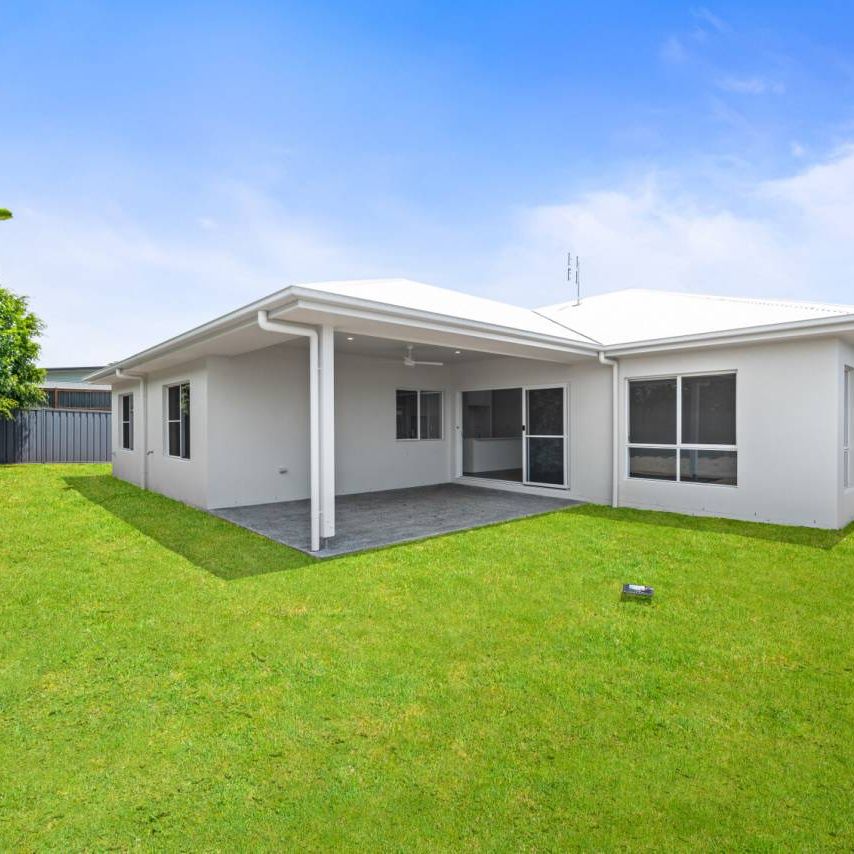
(411, 363)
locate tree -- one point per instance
(20, 378)
(5, 213)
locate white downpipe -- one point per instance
(615, 426)
(268, 325)
(143, 393)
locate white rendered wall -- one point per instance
(127, 464)
(258, 409)
(589, 451)
(185, 480)
(787, 429)
(846, 494)
(368, 456)
(259, 424)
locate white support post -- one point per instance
(327, 431)
(314, 412)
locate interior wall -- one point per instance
(787, 418)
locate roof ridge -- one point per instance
(569, 328)
(774, 302)
(771, 302)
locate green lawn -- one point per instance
(168, 680)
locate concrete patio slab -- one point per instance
(373, 519)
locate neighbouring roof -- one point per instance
(68, 374)
(640, 315)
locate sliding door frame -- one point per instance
(564, 387)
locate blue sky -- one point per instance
(167, 162)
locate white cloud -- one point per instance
(107, 286)
(673, 51)
(703, 15)
(751, 86)
(788, 238)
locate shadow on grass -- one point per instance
(816, 538)
(212, 544)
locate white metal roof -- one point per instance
(625, 320)
(632, 316)
(405, 293)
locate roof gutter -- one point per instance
(750, 335)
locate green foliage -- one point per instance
(5, 213)
(20, 378)
(171, 682)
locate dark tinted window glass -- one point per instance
(174, 393)
(545, 412)
(185, 421)
(431, 415)
(653, 463)
(709, 467)
(174, 439)
(708, 410)
(652, 412)
(407, 414)
(545, 460)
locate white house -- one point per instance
(742, 408)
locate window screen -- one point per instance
(708, 410)
(431, 415)
(652, 412)
(419, 414)
(407, 414)
(178, 420)
(126, 403)
(699, 450)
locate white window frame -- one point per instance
(122, 421)
(679, 446)
(847, 426)
(182, 438)
(418, 392)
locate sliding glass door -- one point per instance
(544, 436)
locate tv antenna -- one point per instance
(577, 275)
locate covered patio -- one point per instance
(374, 519)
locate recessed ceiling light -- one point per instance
(457, 352)
(349, 337)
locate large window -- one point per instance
(848, 431)
(126, 412)
(419, 414)
(178, 420)
(683, 429)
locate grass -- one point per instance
(170, 681)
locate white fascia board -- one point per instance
(757, 334)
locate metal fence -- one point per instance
(56, 436)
